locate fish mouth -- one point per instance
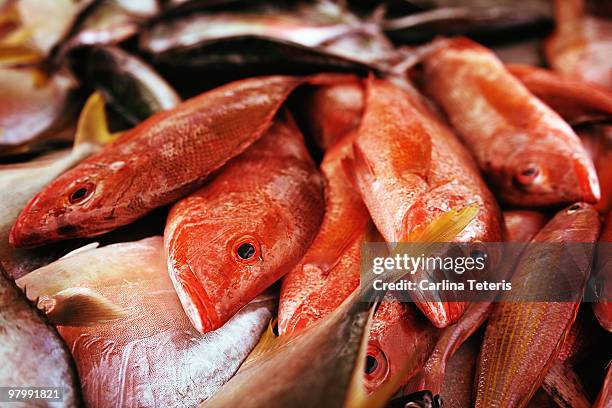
(18, 239)
(192, 295)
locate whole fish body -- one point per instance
(244, 230)
(581, 44)
(329, 271)
(530, 155)
(523, 337)
(409, 168)
(162, 159)
(31, 352)
(150, 355)
(576, 101)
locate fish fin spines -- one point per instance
(79, 307)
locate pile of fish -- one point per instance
(188, 185)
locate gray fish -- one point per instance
(31, 352)
(134, 89)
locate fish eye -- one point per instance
(247, 249)
(376, 367)
(371, 364)
(575, 207)
(528, 174)
(80, 193)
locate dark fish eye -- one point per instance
(81, 193)
(246, 249)
(574, 207)
(376, 369)
(371, 364)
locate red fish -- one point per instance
(530, 155)
(576, 101)
(523, 337)
(581, 44)
(333, 111)
(329, 271)
(522, 225)
(597, 140)
(161, 160)
(603, 307)
(410, 168)
(247, 228)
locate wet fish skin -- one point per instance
(580, 46)
(330, 112)
(27, 342)
(151, 356)
(269, 199)
(164, 158)
(458, 382)
(512, 367)
(409, 168)
(329, 271)
(529, 154)
(577, 102)
(597, 140)
(522, 225)
(603, 307)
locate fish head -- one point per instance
(84, 201)
(221, 254)
(397, 335)
(548, 175)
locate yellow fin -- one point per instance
(267, 342)
(79, 307)
(92, 126)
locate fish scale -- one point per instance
(166, 157)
